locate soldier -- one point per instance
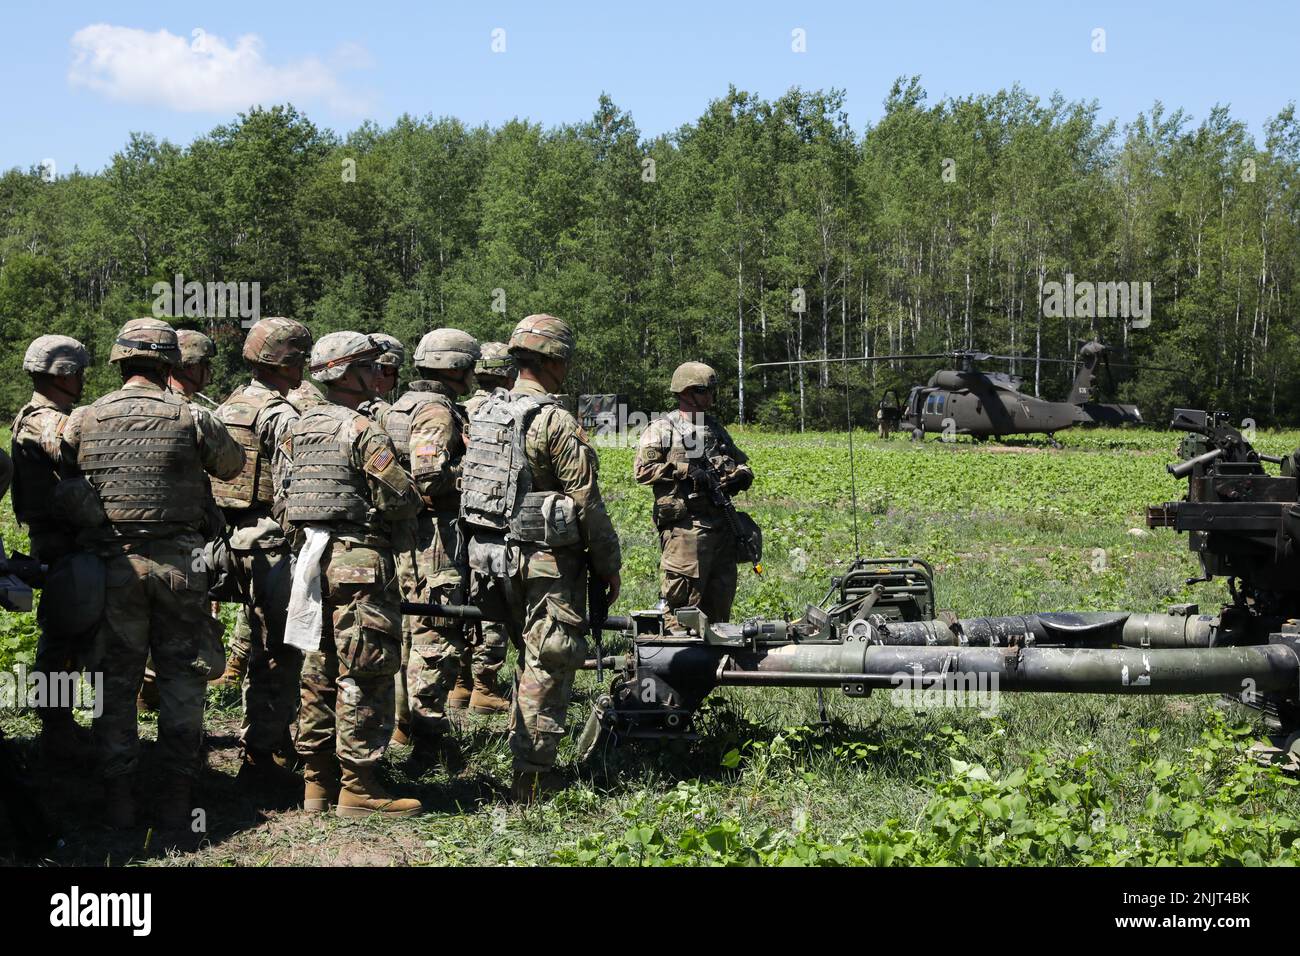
(427, 426)
(389, 369)
(188, 378)
(346, 487)
(259, 416)
(144, 451)
(539, 524)
(477, 684)
(57, 365)
(698, 549)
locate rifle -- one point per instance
(748, 538)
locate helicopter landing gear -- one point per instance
(918, 434)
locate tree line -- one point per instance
(765, 230)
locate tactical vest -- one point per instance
(495, 474)
(34, 473)
(397, 422)
(255, 484)
(324, 486)
(139, 450)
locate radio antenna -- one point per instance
(853, 478)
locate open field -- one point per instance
(1047, 778)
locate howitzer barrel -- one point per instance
(1268, 668)
(1066, 628)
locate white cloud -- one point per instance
(203, 73)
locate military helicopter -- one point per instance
(968, 401)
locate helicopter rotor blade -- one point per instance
(849, 358)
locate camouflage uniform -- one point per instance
(346, 477)
(489, 639)
(36, 449)
(698, 549)
(260, 419)
(541, 591)
(145, 451)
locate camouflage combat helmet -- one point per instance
(544, 335)
(56, 355)
(494, 361)
(693, 375)
(333, 353)
(151, 340)
(396, 351)
(277, 341)
(195, 347)
(447, 349)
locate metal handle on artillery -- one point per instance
(466, 612)
(1184, 468)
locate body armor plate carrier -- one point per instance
(254, 485)
(402, 413)
(324, 486)
(139, 449)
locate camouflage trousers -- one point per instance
(544, 607)
(437, 648)
(347, 685)
(240, 639)
(272, 686)
(54, 653)
(155, 604)
(699, 570)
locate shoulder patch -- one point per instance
(379, 461)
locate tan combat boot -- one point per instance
(459, 697)
(401, 735)
(486, 698)
(236, 668)
(529, 786)
(363, 794)
(173, 808)
(119, 804)
(321, 787)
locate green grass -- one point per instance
(1047, 779)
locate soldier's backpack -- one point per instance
(498, 503)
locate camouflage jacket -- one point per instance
(562, 459)
(255, 528)
(667, 449)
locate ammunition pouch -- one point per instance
(72, 599)
(668, 512)
(491, 558)
(548, 518)
(79, 503)
(749, 541)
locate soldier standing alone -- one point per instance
(346, 486)
(57, 365)
(698, 548)
(144, 450)
(530, 492)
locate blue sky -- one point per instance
(78, 77)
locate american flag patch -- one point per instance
(380, 460)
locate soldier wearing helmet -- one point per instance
(260, 415)
(698, 549)
(389, 370)
(477, 684)
(538, 525)
(57, 365)
(145, 451)
(347, 490)
(427, 425)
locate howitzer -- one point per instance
(877, 627)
